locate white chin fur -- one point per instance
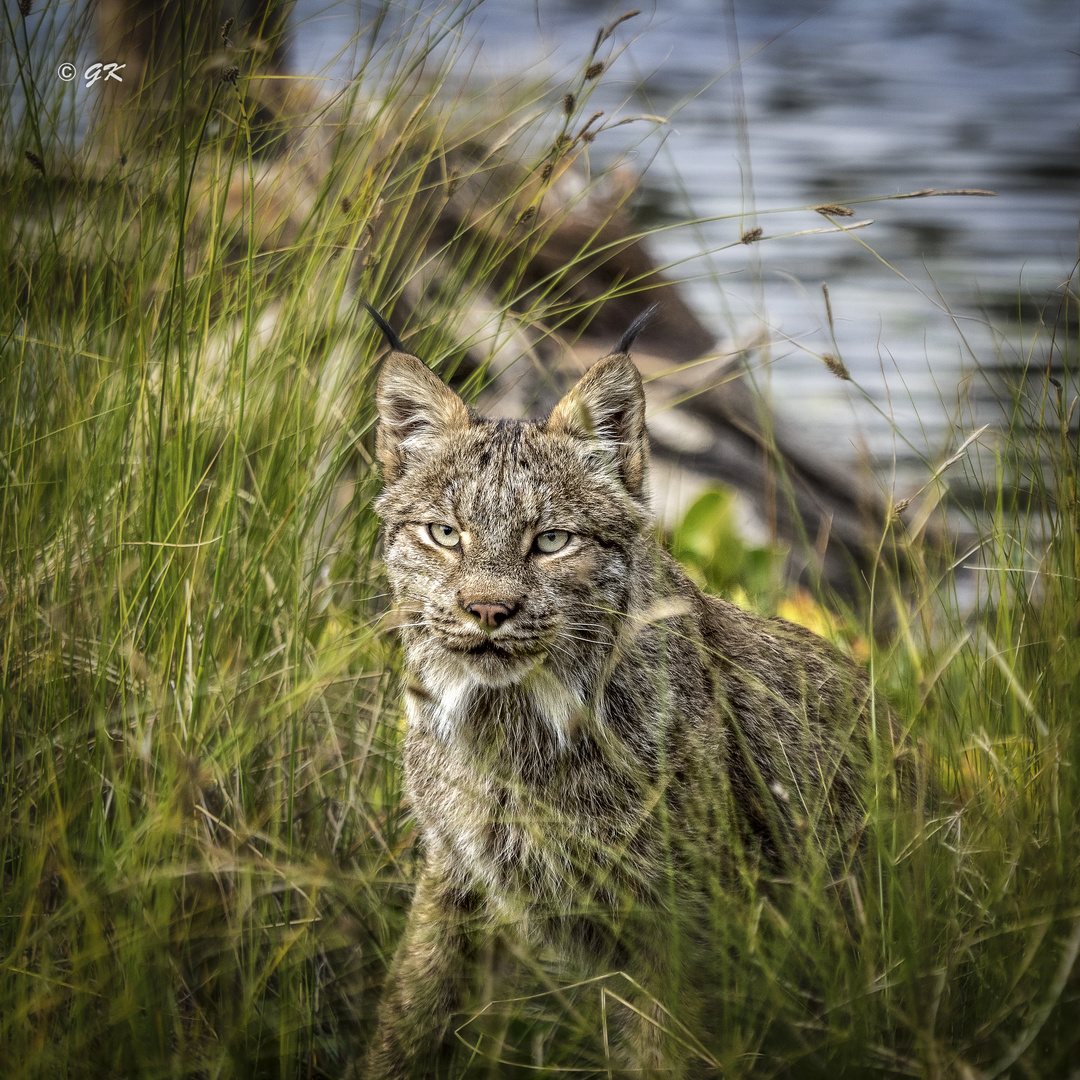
(453, 681)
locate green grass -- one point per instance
(205, 860)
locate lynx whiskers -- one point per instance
(585, 728)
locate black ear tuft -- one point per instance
(388, 331)
(635, 328)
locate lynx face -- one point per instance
(508, 543)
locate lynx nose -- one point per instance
(491, 615)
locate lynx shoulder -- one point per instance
(583, 723)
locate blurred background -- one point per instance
(786, 103)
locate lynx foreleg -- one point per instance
(428, 980)
(649, 1011)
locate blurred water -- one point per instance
(847, 99)
(835, 100)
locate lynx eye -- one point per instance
(554, 540)
(444, 535)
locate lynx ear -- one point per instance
(414, 405)
(608, 406)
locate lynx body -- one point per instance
(584, 725)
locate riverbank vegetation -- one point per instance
(204, 854)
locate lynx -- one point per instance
(585, 727)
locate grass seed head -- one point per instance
(834, 210)
(588, 124)
(594, 71)
(229, 75)
(836, 366)
(35, 161)
(569, 103)
(751, 236)
(606, 31)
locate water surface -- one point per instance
(834, 101)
